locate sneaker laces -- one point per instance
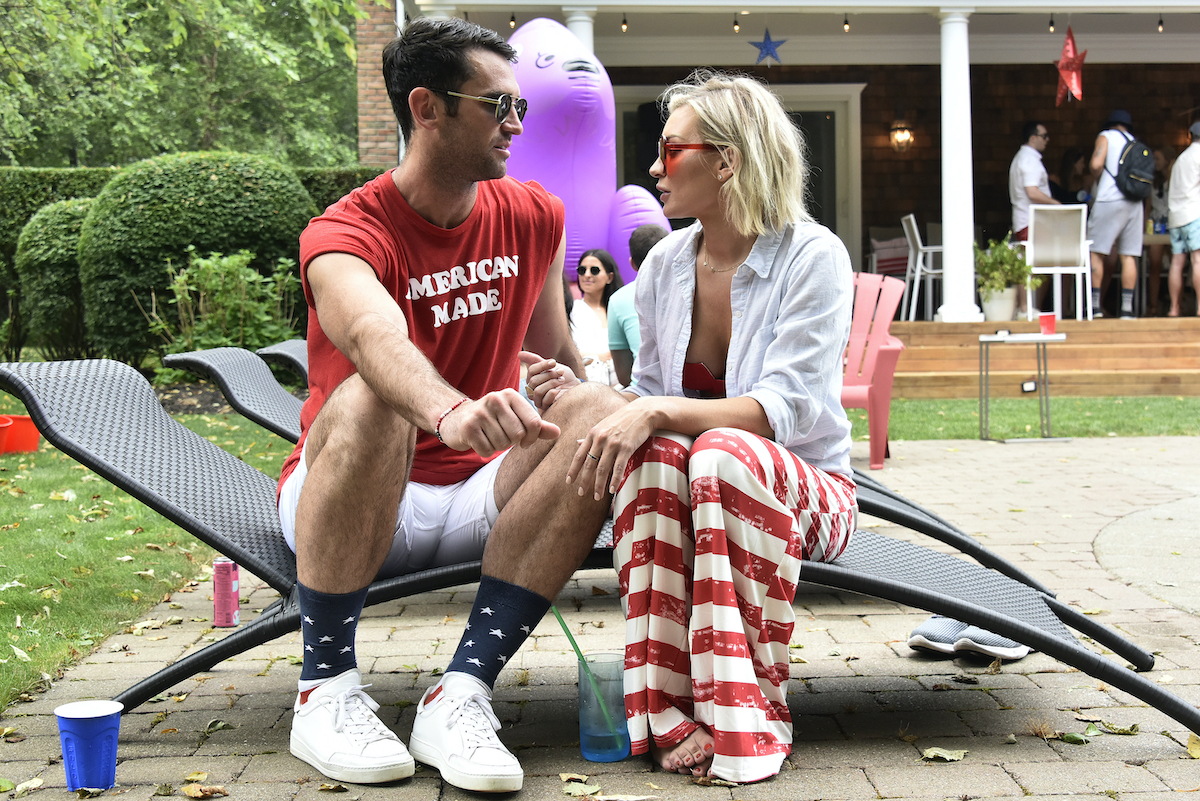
(474, 710)
(354, 713)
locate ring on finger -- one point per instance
(593, 456)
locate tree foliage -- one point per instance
(99, 82)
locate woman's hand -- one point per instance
(602, 456)
(546, 380)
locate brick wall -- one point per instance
(377, 134)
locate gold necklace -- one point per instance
(714, 270)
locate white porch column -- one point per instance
(958, 193)
(581, 21)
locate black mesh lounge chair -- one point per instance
(291, 353)
(231, 506)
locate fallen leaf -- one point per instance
(90, 792)
(1093, 611)
(967, 679)
(1074, 738)
(1193, 746)
(653, 786)
(943, 755)
(332, 788)
(624, 797)
(15, 738)
(196, 777)
(21, 655)
(216, 725)
(795, 659)
(294, 660)
(712, 781)
(7, 730)
(600, 591)
(202, 790)
(1092, 730)
(164, 789)
(124, 558)
(1086, 718)
(6, 785)
(580, 789)
(1112, 728)
(173, 620)
(179, 698)
(572, 777)
(153, 546)
(25, 788)
(169, 731)
(1010, 739)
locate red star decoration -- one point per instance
(1070, 70)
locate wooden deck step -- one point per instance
(1155, 356)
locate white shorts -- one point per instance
(435, 525)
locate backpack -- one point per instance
(1135, 169)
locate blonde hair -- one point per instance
(766, 151)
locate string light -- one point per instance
(1160, 25)
(845, 23)
(624, 24)
(737, 26)
(512, 21)
(1052, 23)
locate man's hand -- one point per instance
(497, 421)
(546, 379)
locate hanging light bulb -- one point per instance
(737, 26)
(1160, 25)
(1051, 23)
(624, 24)
(845, 23)
(512, 21)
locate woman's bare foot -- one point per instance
(692, 757)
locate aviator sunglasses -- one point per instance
(595, 269)
(504, 104)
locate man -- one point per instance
(1115, 223)
(624, 338)
(1183, 218)
(1028, 182)
(422, 285)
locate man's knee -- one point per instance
(585, 404)
(358, 423)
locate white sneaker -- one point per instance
(455, 732)
(337, 732)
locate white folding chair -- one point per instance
(920, 264)
(1058, 246)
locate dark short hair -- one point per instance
(1029, 129)
(434, 54)
(610, 267)
(642, 239)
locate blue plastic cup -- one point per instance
(603, 737)
(88, 733)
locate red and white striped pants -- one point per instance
(710, 535)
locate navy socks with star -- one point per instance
(327, 626)
(503, 616)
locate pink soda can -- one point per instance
(226, 611)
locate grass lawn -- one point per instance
(80, 559)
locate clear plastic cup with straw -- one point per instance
(603, 735)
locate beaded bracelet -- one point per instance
(437, 428)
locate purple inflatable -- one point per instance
(570, 143)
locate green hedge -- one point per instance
(142, 223)
(328, 185)
(48, 267)
(22, 192)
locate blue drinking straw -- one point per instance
(612, 727)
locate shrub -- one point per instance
(49, 271)
(222, 301)
(329, 185)
(22, 192)
(152, 211)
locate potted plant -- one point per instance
(1000, 272)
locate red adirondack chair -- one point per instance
(871, 356)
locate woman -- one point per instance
(1069, 185)
(730, 463)
(598, 280)
(1156, 210)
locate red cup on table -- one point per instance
(1046, 320)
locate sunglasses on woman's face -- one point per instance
(594, 269)
(665, 147)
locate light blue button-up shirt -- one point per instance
(791, 304)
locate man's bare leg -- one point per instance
(358, 453)
(1196, 278)
(1098, 286)
(1175, 282)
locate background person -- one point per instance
(624, 338)
(1115, 223)
(732, 455)
(1157, 211)
(597, 279)
(1069, 184)
(1184, 220)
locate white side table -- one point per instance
(1043, 385)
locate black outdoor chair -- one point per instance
(105, 415)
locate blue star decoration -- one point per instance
(768, 48)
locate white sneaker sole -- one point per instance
(996, 652)
(464, 781)
(358, 775)
(918, 641)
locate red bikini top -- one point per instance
(699, 382)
